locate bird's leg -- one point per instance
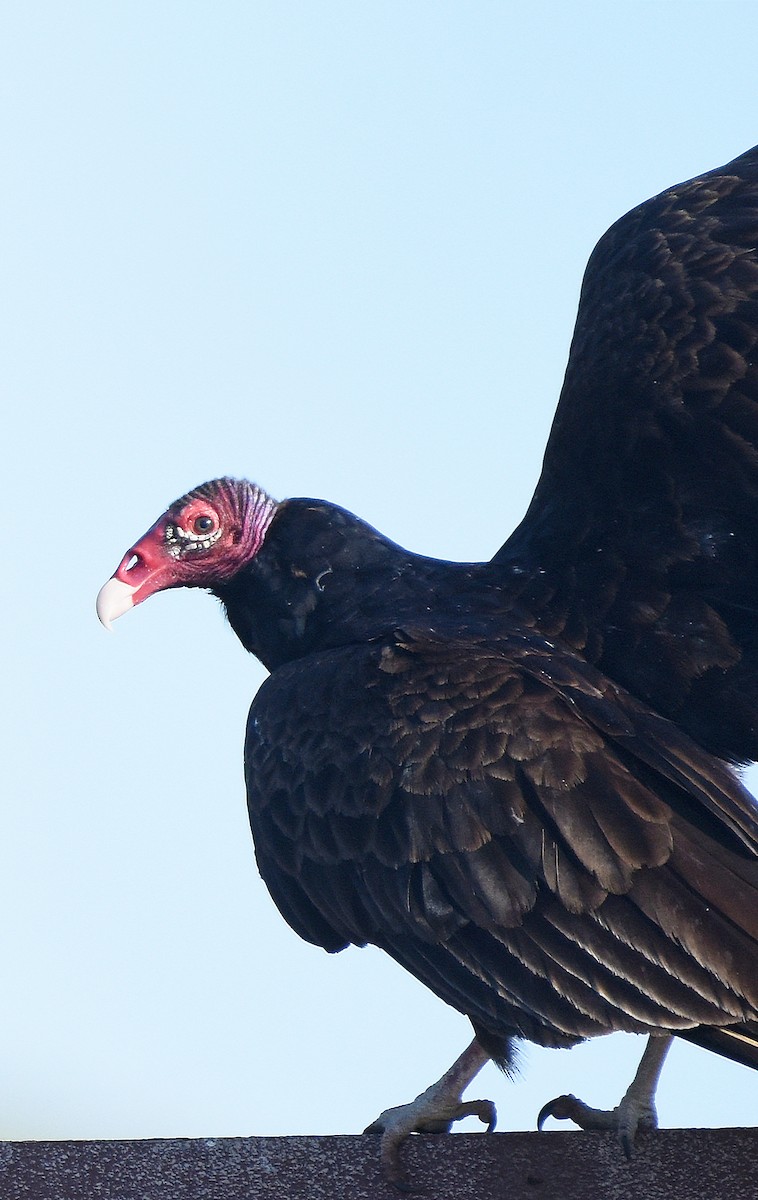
(434, 1111)
(635, 1110)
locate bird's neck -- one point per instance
(323, 579)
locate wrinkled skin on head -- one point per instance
(203, 538)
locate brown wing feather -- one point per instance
(498, 829)
(640, 547)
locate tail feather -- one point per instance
(739, 1043)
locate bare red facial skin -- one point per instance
(148, 566)
(202, 539)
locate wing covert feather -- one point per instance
(640, 546)
(400, 825)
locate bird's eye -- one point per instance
(203, 524)
(197, 527)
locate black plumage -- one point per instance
(510, 775)
(642, 528)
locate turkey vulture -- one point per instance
(516, 777)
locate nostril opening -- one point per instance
(133, 562)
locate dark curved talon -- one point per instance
(561, 1108)
(483, 1109)
(433, 1111)
(393, 1170)
(553, 1108)
(397, 1125)
(570, 1108)
(626, 1119)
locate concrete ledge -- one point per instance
(677, 1164)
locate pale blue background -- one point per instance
(335, 247)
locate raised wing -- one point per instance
(482, 811)
(640, 546)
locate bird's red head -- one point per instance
(202, 539)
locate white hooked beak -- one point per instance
(113, 600)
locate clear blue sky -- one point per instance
(336, 248)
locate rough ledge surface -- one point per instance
(676, 1164)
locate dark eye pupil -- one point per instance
(203, 524)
